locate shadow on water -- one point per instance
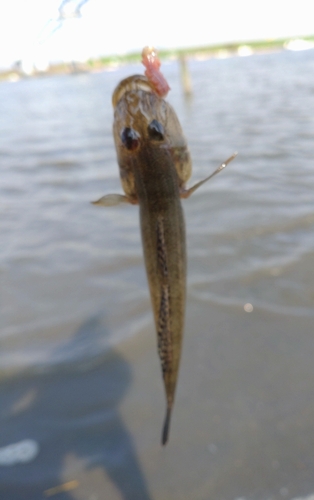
(72, 411)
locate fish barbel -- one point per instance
(155, 164)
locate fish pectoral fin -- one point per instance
(109, 200)
(185, 193)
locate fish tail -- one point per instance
(166, 427)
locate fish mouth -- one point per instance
(132, 83)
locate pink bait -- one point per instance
(152, 65)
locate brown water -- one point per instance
(78, 361)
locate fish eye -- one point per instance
(156, 131)
(130, 138)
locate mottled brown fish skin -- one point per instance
(153, 173)
(163, 237)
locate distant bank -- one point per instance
(244, 48)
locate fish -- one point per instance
(155, 165)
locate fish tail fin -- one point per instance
(166, 427)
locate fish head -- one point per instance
(143, 120)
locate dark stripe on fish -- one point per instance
(161, 248)
(163, 329)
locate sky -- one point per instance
(120, 26)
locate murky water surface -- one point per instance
(78, 361)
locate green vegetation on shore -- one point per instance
(210, 51)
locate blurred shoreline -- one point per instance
(112, 62)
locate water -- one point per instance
(76, 322)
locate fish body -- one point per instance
(155, 164)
